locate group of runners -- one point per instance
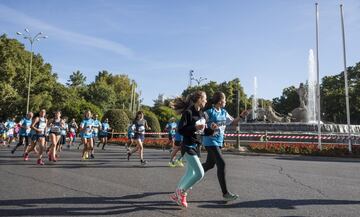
(198, 126)
(40, 134)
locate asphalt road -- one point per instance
(109, 185)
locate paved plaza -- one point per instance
(109, 185)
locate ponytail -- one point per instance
(180, 104)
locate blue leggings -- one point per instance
(194, 172)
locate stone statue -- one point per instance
(302, 92)
(299, 114)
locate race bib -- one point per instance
(55, 129)
(141, 129)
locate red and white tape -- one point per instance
(268, 136)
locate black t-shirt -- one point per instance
(187, 128)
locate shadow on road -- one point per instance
(84, 206)
(274, 203)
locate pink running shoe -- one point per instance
(181, 198)
(40, 162)
(174, 198)
(26, 157)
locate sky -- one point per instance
(158, 42)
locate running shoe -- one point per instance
(179, 163)
(143, 162)
(181, 198)
(92, 156)
(40, 162)
(230, 196)
(26, 157)
(172, 164)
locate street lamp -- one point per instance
(198, 80)
(31, 39)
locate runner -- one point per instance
(218, 117)
(86, 133)
(96, 128)
(103, 135)
(39, 126)
(3, 133)
(55, 133)
(72, 132)
(10, 126)
(131, 134)
(140, 127)
(63, 134)
(171, 129)
(192, 125)
(177, 147)
(24, 132)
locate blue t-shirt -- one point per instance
(25, 127)
(63, 130)
(2, 128)
(104, 128)
(171, 128)
(10, 125)
(221, 119)
(96, 126)
(131, 130)
(87, 125)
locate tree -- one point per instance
(77, 79)
(14, 71)
(287, 102)
(118, 119)
(102, 95)
(164, 114)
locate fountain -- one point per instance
(254, 102)
(311, 96)
(302, 119)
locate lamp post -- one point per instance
(31, 39)
(192, 78)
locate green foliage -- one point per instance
(107, 92)
(76, 108)
(287, 102)
(14, 70)
(164, 114)
(333, 96)
(101, 94)
(129, 114)
(77, 79)
(152, 121)
(118, 120)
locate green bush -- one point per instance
(129, 114)
(118, 120)
(152, 121)
(164, 114)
